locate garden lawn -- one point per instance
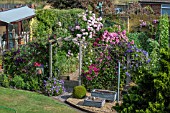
(12, 101)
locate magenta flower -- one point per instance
(124, 32)
(132, 42)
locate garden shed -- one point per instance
(159, 6)
(15, 17)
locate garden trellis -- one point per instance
(80, 43)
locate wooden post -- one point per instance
(128, 24)
(19, 32)
(13, 38)
(80, 62)
(7, 41)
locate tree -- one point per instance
(66, 4)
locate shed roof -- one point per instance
(16, 14)
(155, 1)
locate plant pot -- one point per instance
(94, 101)
(106, 94)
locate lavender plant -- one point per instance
(53, 86)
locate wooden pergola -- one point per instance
(15, 16)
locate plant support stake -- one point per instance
(118, 81)
(80, 62)
(50, 59)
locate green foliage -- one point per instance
(155, 85)
(53, 21)
(4, 80)
(21, 63)
(18, 82)
(79, 92)
(63, 62)
(163, 31)
(1, 59)
(135, 37)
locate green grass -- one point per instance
(20, 101)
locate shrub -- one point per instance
(5, 80)
(21, 62)
(18, 82)
(79, 92)
(163, 31)
(155, 85)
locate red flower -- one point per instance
(37, 64)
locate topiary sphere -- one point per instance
(79, 92)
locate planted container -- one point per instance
(106, 94)
(94, 101)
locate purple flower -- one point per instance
(129, 51)
(145, 53)
(124, 67)
(57, 90)
(54, 79)
(54, 82)
(136, 65)
(148, 61)
(155, 21)
(62, 81)
(127, 74)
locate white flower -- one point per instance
(59, 23)
(90, 12)
(74, 39)
(94, 25)
(79, 35)
(84, 18)
(82, 30)
(84, 38)
(89, 21)
(91, 18)
(100, 18)
(85, 33)
(77, 27)
(91, 61)
(89, 24)
(94, 15)
(91, 50)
